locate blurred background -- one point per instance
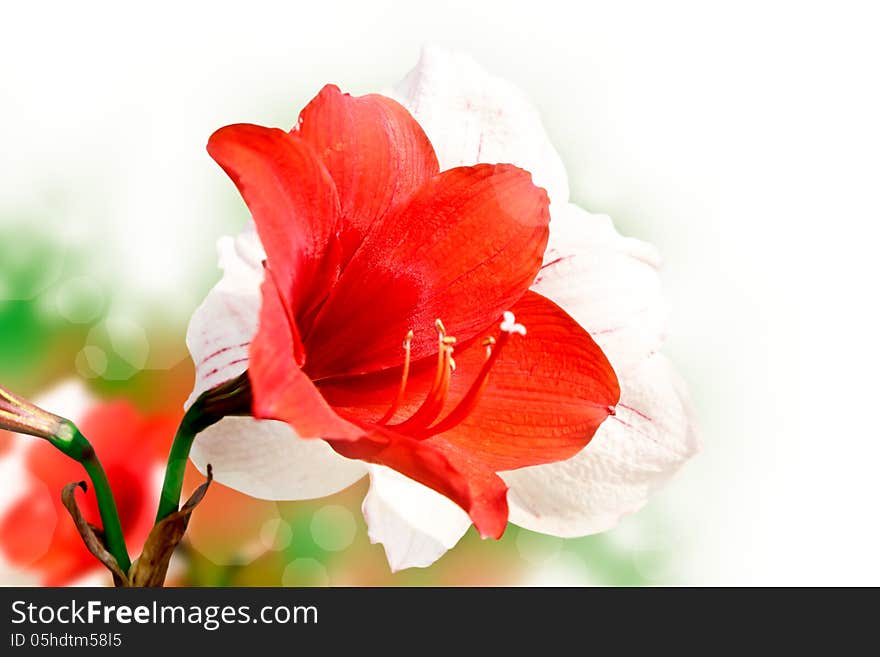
(742, 141)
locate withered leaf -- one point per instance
(92, 536)
(151, 567)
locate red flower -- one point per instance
(38, 535)
(386, 280)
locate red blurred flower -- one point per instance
(37, 534)
(386, 280)
(7, 440)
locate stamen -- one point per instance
(407, 348)
(433, 403)
(418, 425)
(472, 396)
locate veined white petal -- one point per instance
(414, 524)
(471, 116)
(266, 459)
(223, 326)
(631, 455)
(608, 283)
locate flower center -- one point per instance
(424, 423)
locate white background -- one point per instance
(742, 140)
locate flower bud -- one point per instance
(20, 415)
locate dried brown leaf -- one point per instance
(151, 567)
(92, 536)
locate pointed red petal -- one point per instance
(375, 151)
(441, 466)
(294, 204)
(465, 248)
(545, 397)
(281, 391)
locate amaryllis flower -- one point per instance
(38, 536)
(400, 313)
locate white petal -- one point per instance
(471, 117)
(608, 283)
(223, 326)
(266, 459)
(415, 524)
(631, 455)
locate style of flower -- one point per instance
(400, 312)
(37, 533)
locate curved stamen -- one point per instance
(407, 347)
(472, 396)
(433, 403)
(418, 425)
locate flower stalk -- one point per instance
(172, 485)
(19, 415)
(230, 398)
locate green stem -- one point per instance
(193, 422)
(230, 398)
(76, 446)
(109, 515)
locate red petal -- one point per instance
(7, 440)
(294, 204)
(545, 397)
(281, 391)
(465, 248)
(122, 435)
(375, 151)
(28, 525)
(443, 467)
